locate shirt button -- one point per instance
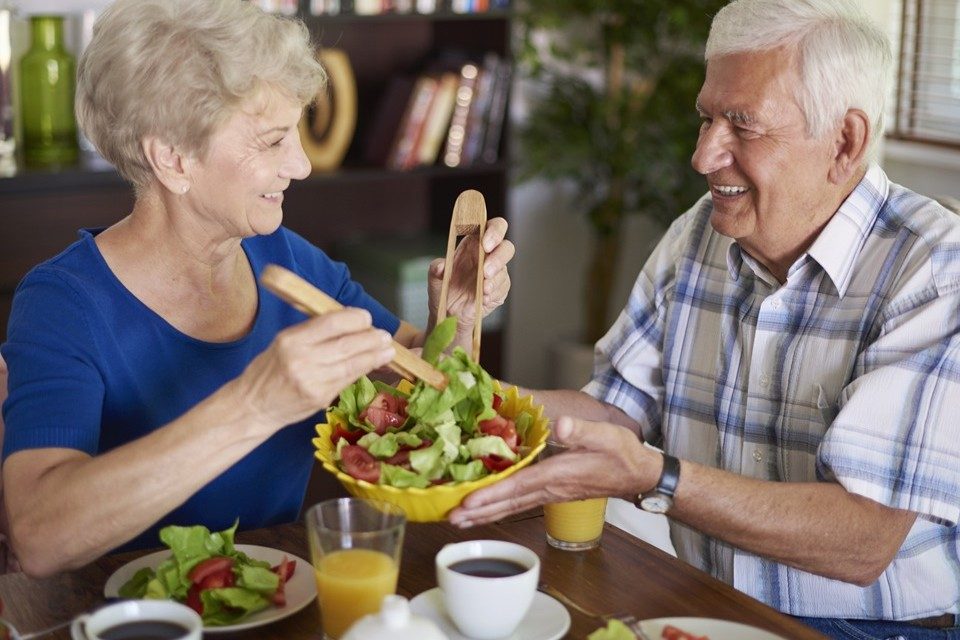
(776, 303)
(757, 455)
(764, 380)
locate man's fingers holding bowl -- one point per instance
(489, 512)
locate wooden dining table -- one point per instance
(623, 575)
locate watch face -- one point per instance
(656, 503)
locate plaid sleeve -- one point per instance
(628, 360)
(902, 448)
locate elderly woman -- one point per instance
(151, 381)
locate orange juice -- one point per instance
(579, 523)
(352, 583)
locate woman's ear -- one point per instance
(850, 149)
(168, 164)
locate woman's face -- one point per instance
(238, 186)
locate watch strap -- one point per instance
(669, 479)
(670, 476)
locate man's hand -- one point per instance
(602, 460)
(815, 526)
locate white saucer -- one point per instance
(547, 619)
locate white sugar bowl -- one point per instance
(394, 622)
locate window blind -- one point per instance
(926, 105)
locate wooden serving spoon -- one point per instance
(307, 298)
(469, 216)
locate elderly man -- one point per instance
(792, 345)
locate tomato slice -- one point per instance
(389, 402)
(279, 598)
(497, 401)
(193, 599)
(351, 436)
(208, 567)
(218, 580)
(672, 633)
(358, 463)
(382, 419)
(400, 459)
(503, 427)
(285, 569)
(495, 463)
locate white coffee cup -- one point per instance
(128, 612)
(486, 608)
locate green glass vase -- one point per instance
(47, 84)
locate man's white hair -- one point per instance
(844, 60)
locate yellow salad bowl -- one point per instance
(434, 503)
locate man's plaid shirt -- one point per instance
(848, 372)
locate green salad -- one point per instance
(615, 630)
(207, 573)
(428, 436)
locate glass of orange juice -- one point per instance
(575, 525)
(355, 548)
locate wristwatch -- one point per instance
(661, 498)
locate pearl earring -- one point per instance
(184, 188)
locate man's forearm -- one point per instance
(816, 527)
(567, 402)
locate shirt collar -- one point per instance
(840, 242)
(838, 245)
(737, 257)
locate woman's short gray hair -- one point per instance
(177, 69)
(844, 58)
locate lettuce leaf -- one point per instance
(189, 546)
(230, 604)
(615, 630)
(490, 445)
(439, 339)
(448, 418)
(401, 478)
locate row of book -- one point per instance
(377, 7)
(450, 114)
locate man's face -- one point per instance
(769, 181)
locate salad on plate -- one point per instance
(210, 575)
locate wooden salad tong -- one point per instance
(469, 216)
(311, 300)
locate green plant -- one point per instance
(614, 113)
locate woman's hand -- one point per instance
(463, 282)
(602, 460)
(307, 365)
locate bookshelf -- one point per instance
(41, 210)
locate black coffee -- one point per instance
(145, 630)
(489, 567)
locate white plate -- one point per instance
(715, 629)
(300, 590)
(547, 619)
